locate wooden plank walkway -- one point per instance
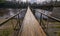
(30, 26)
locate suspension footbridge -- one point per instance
(28, 25)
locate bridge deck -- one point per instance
(30, 26)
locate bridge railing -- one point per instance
(12, 25)
(49, 24)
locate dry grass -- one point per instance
(7, 28)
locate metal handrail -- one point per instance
(18, 24)
(42, 25)
(58, 20)
(2, 23)
(49, 16)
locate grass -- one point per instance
(5, 32)
(56, 27)
(55, 22)
(8, 27)
(8, 31)
(57, 32)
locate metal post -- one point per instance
(41, 19)
(19, 21)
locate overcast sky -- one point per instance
(28, 0)
(32, 0)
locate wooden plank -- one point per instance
(30, 26)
